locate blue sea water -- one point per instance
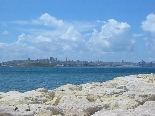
(26, 79)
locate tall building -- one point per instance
(52, 59)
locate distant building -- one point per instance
(52, 59)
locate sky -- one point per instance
(92, 30)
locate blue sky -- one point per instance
(106, 30)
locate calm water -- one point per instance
(24, 79)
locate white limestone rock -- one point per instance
(44, 113)
(38, 96)
(79, 105)
(73, 112)
(121, 95)
(143, 110)
(30, 110)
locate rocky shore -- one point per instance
(132, 95)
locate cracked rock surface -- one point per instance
(132, 95)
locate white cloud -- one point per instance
(5, 32)
(40, 39)
(72, 34)
(16, 51)
(145, 39)
(53, 37)
(66, 48)
(149, 24)
(138, 35)
(114, 36)
(21, 38)
(21, 22)
(49, 20)
(36, 22)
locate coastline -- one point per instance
(122, 96)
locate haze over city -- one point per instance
(106, 30)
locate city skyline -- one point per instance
(67, 60)
(54, 62)
(82, 30)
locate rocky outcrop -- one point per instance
(122, 96)
(147, 109)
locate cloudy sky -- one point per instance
(106, 30)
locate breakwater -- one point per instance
(122, 96)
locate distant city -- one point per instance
(54, 62)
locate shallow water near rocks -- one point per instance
(26, 79)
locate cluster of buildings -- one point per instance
(54, 62)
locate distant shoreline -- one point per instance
(48, 65)
(54, 62)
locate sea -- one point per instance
(30, 78)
